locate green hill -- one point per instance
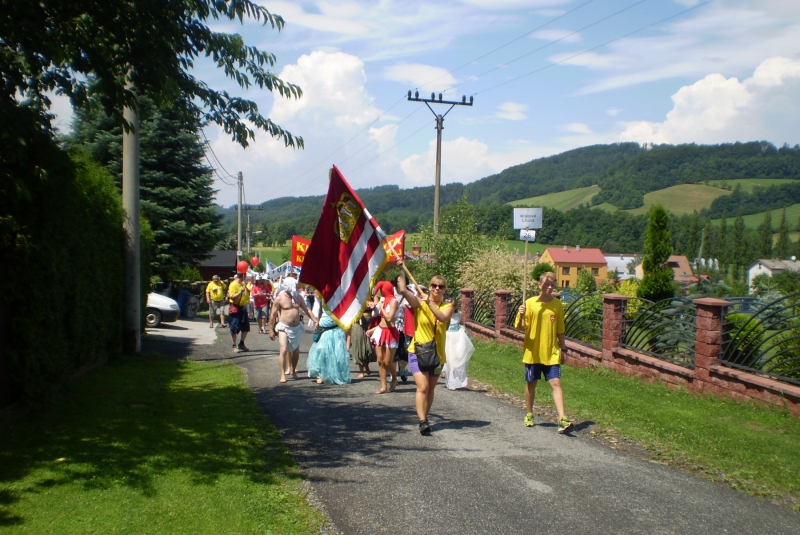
(682, 199)
(563, 200)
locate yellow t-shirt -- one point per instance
(234, 289)
(543, 323)
(216, 290)
(424, 320)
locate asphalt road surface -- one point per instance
(480, 471)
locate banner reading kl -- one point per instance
(299, 248)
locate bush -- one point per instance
(496, 269)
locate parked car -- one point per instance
(160, 308)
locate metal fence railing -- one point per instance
(583, 320)
(665, 329)
(764, 337)
(483, 308)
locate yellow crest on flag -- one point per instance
(348, 211)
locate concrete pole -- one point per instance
(239, 232)
(132, 297)
(439, 127)
(248, 233)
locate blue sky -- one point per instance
(546, 76)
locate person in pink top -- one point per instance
(385, 337)
(261, 294)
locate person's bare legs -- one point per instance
(390, 365)
(385, 365)
(530, 394)
(558, 396)
(421, 396)
(295, 361)
(432, 380)
(283, 356)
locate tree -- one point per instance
(694, 238)
(783, 244)
(542, 267)
(657, 281)
(52, 45)
(176, 187)
(739, 246)
(586, 283)
(765, 236)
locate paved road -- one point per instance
(480, 471)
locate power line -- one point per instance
(594, 47)
(208, 144)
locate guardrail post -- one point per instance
(613, 323)
(502, 301)
(467, 304)
(708, 339)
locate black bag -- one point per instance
(427, 356)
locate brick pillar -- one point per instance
(467, 304)
(708, 339)
(613, 323)
(502, 302)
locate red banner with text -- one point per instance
(299, 248)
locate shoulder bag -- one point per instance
(427, 355)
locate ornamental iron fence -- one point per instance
(483, 308)
(583, 320)
(665, 329)
(764, 337)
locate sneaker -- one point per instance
(564, 425)
(425, 427)
(242, 347)
(235, 349)
(528, 421)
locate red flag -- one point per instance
(299, 248)
(346, 253)
(396, 242)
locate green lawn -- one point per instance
(273, 254)
(752, 447)
(149, 445)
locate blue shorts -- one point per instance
(413, 365)
(534, 372)
(239, 322)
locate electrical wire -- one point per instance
(593, 48)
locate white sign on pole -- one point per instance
(527, 218)
(527, 235)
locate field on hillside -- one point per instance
(747, 184)
(681, 199)
(563, 200)
(754, 220)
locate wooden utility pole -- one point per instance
(439, 128)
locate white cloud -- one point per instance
(418, 75)
(718, 109)
(565, 36)
(577, 128)
(613, 112)
(513, 111)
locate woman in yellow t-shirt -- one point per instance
(431, 319)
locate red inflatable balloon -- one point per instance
(241, 266)
(254, 261)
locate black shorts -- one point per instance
(239, 322)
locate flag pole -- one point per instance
(525, 273)
(394, 253)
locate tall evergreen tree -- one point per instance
(765, 236)
(176, 187)
(783, 243)
(738, 246)
(657, 281)
(694, 238)
(723, 251)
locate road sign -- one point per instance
(527, 218)
(527, 235)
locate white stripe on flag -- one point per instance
(356, 255)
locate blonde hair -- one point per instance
(547, 275)
(438, 278)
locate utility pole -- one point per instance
(439, 128)
(239, 232)
(132, 298)
(248, 233)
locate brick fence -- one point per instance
(708, 375)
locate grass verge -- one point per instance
(749, 446)
(148, 445)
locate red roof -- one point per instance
(575, 256)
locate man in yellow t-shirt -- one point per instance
(215, 297)
(239, 297)
(542, 316)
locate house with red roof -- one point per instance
(568, 260)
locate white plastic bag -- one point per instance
(459, 349)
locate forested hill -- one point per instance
(624, 171)
(663, 166)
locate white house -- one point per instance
(619, 262)
(770, 267)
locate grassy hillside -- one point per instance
(683, 199)
(562, 200)
(754, 220)
(747, 184)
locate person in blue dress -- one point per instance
(328, 358)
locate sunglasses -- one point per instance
(438, 286)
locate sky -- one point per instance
(546, 76)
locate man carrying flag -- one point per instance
(346, 253)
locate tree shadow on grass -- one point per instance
(134, 421)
